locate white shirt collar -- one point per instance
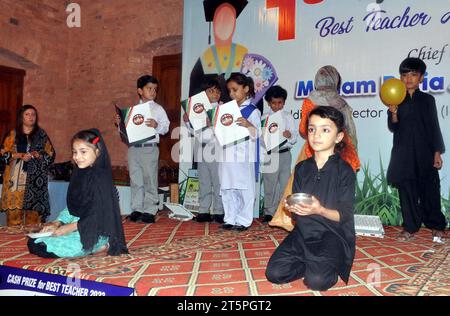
(245, 103)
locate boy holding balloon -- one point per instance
(416, 153)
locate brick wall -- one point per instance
(33, 38)
(74, 74)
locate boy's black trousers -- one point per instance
(420, 202)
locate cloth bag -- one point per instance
(282, 217)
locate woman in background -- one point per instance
(27, 152)
(326, 93)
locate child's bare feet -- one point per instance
(103, 248)
(404, 236)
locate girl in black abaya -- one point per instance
(91, 222)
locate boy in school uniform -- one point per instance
(416, 155)
(143, 157)
(205, 147)
(277, 170)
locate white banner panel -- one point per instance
(364, 40)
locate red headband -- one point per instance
(95, 140)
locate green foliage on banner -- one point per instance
(375, 197)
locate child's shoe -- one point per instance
(267, 219)
(239, 228)
(218, 219)
(227, 226)
(148, 218)
(203, 217)
(135, 216)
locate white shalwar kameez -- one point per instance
(237, 176)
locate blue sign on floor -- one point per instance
(20, 282)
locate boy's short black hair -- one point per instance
(412, 64)
(275, 92)
(335, 116)
(331, 113)
(144, 80)
(210, 83)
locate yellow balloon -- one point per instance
(393, 92)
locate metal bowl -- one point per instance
(296, 198)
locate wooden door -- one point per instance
(11, 96)
(167, 69)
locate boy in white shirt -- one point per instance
(277, 169)
(205, 147)
(143, 157)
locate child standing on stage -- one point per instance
(143, 158)
(237, 166)
(322, 245)
(205, 145)
(278, 167)
(91, 222)
(416, 155)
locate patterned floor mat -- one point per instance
(172, 258)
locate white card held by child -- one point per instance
(196, 108)
(223, 119)
(273, 127)
(137, 130)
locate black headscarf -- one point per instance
(93, 198)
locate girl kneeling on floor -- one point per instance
(91, 222)
(322, 245)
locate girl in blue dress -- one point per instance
(91, 222)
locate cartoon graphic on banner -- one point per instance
(261, 71)
(224, 57)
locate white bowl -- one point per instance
(297, 198)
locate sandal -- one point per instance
(439, 236)
(404, 236)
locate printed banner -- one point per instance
(20, 282)
(364, 40)
(190, 195)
